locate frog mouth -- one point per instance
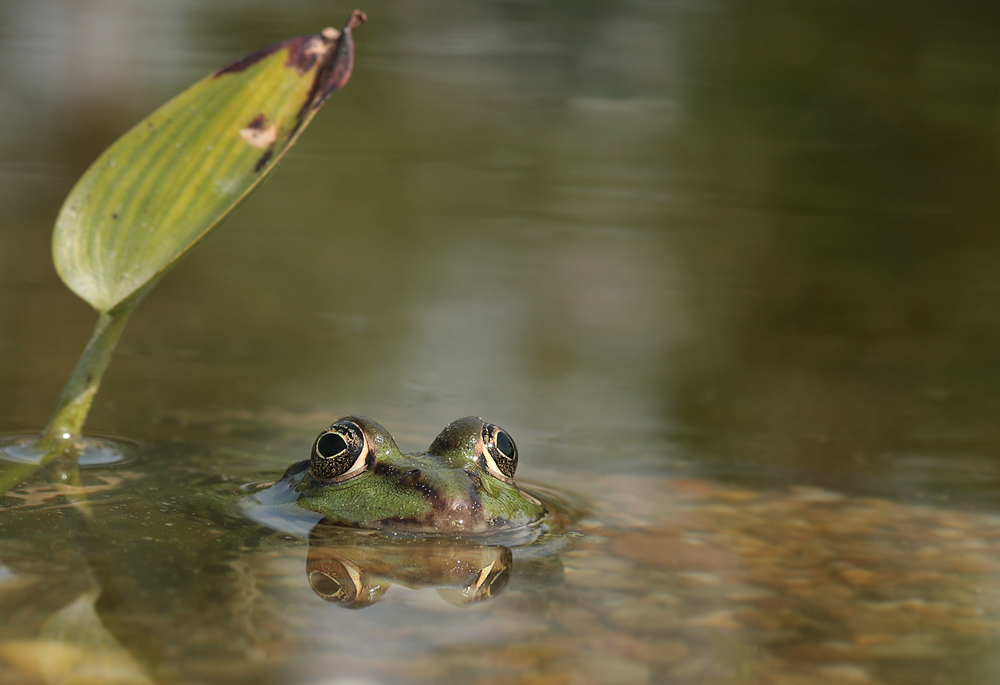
(449, 512)
(454, 526)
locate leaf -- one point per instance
(163, 185)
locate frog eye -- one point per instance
(340, 452)
(499, 452)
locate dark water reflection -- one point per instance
(751, 244)
(853, 318)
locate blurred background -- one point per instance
(754, 240)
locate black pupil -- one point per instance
(324, 584)
(505, 445)
(330, 445)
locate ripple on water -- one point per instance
(269, 506)
(92, 450)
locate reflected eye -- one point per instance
(499, 452)
(340, 452)
(340, 581)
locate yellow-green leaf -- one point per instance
(163, 185)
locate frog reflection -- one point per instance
(462, 485)
(355, 568)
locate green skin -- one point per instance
(447, 490)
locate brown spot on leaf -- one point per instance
(259, 122)
(264, 159)
(303, 56)
(248, 61)
(258, 133)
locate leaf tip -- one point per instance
(339, 62)
(357, 19)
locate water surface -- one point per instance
(727, 272)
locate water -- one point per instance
(727, 272)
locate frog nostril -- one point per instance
(410, 477)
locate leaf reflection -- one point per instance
(75, 647)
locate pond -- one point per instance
(728, 273)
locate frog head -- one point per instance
(463, 484)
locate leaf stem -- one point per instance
(66, 424)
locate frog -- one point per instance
(463, 484)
